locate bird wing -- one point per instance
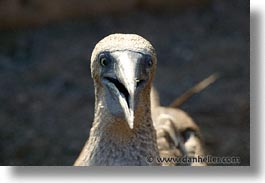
(177, 134)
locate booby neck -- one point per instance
(115, 143)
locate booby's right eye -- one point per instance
(104, 59)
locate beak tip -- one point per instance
(131, 126)
(131, 120)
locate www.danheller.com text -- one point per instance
(208, 159)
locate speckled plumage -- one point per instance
(173, 123)
(111, 141)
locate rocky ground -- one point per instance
(47, 96)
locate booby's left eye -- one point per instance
(104, 59)
(149, 61)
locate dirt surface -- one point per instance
(47, 94)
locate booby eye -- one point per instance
(186, 134)
(149, 61)
(104, 59)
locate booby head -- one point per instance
(123, 66)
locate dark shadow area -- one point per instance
(128, 171)
(255, 91)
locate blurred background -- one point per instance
(47, 94)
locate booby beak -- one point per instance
(130, 74)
